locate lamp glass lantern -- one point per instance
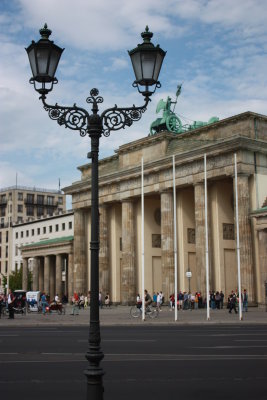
(44, 57)
(147, 60)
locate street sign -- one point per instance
(188, 274)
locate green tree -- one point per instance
(15, 280)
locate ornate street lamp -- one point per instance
(147, 60)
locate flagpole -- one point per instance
(207, 243)
(175, 241)
(237, 244)
(143, 240)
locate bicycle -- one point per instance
(136, 312)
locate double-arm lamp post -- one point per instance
(146, 59)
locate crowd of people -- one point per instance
(194, 301)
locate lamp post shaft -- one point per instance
(94, 372)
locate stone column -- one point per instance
(59, 275)
(70, 276)
(47, 275)
(25, 274)
(263, 264)
(52, 277)
(41, 274)
(128, 270)
(167, 244)
(199, 192)
(245, 237)
(104, 278)
(79, 272)
(35, 274)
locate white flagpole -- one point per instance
(175, 241)
(207, 243)
(237, 244)
(143, 241)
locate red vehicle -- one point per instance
(56, 307)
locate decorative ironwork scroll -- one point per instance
(115, 118)
(74, 117)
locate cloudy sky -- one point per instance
(217, 48)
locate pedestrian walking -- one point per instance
(44, 303)
(232, 305)
(11, 303)
(245, 300)
(75, 304)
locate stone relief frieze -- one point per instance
(228, 232)
(191, 235)
(156, 240)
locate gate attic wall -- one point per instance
(120, 183)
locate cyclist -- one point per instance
(148, 299)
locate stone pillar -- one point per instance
(41, 274)
(263, 264)
(52, 277)
(167, 243)
(70, 276)
(35, 274)
(59, 275)
(25, 274)
(47, 275)
(79, 272)
(104, 278)
(128, 271)
(245, 237)
(199, 192)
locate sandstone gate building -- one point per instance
(120, 212)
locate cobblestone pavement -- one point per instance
(120, 315)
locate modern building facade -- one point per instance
(20, 204)
(120, 212)
(45, 247)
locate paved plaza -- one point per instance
(120, 315)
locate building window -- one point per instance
(50, 229)
(6, 251)
(20, 208)
(20, 219)
(32, 232)
(30, 211)
(10, 208)
(50, 200)
(10, 195)
(63, 226)
(21, 234)
(0, 237)
(60, 200)
(20, 196)
(6, 236)
(40, 211)
(44, 229)
(16, 250)
(70, 225)
(30, 198)
(17, 235)
(56, 227)
(3, 212)
(38, 231)
(50, 211)
(3, 199)
(27, 233)
(6, 269)
(40, 199)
